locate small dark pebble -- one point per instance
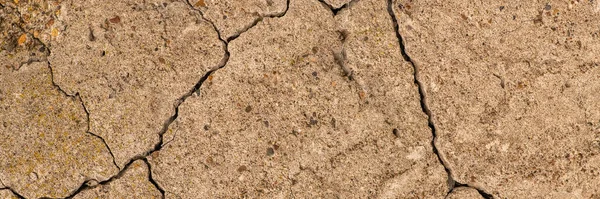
(314, 73)
(42, 49)
(115, 19)
(275, 146)
(248, 109)
(270, 151)
(206, 127)
(501, 8)
(242, 168)
(266, 123)
(103, 53)
(395, 132)
(313, 121)
(547, 7)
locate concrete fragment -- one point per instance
(232, 17)
(45, 150)
(291, 116)
(513, 88)
(130, 61)
(464, 193)
(18, 45)
(132, 184)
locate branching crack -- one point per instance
(451, 182)
(335, 10)
(77, 97)
(88, 184)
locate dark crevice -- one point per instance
(160, 189)
(335, 10)
(452, 183)
(92, 183)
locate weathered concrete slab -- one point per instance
(133, 183)
(45, 150)
(513, 88)
(291, 116)
(131, 62)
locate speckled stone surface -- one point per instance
(131, 62)
(45, 150)
(282, 119)
(339, 3)
(513, 88)
(5, 193)
(132, 184)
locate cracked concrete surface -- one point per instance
(299, 98)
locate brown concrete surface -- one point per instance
(299, 99)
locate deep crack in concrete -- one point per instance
(451, 182)
(335, 10)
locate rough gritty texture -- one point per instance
(132, 184)
(5, 193)
(464, 193)
(45, 150)
(339, 3)
(232, 17)
(299, 98)
(282, 120)
(17, 45)
(131, 62)
(513, 88)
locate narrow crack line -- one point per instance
(77, 97)
(156, 185)
(89, 184)
(421, 88)
(13, 192)
(335, 10)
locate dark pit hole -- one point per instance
(396, 133)
(103, 53)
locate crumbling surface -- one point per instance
(299, 98)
